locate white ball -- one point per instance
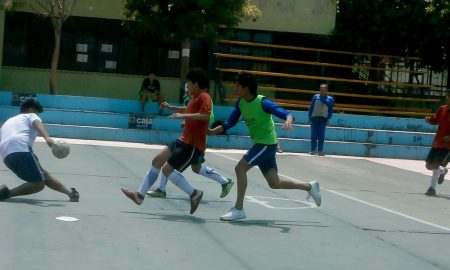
(60, 149)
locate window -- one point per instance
(87, 44)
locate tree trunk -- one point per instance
(184, 68)
(55, 57)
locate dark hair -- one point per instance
(31, 104)
(248, 80)
(198, 75)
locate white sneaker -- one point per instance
(234, 214)
(314, 192)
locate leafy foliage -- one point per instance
(10, 4)
(401, 27)
(177, 20)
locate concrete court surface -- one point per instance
(373, 216)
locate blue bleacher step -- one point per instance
(120, 120)
(98, 104)
(107, 119)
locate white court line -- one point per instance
(390, 211)
(364, 202)
(256, 199)
(215, 151)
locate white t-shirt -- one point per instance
(18, 134)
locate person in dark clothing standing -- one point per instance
(150, 88)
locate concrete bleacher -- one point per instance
(107, 119)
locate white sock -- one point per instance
(163, 183)
(178, 180)
(212, 174)
(149, 180)
(434, 177)
(442, 170)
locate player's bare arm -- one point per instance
(43, 132)
(216, 130)
(192, 116)
(177, 109)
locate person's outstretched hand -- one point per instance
(288, 123)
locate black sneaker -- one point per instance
(430, 192)
(4, 192)
(74, 195)
(442, 176)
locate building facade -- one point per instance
(99, 58)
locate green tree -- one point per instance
(182, 20)
(399, 27)
(58, 11)
(7, 4)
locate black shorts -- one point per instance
(438, 155)
(184, 155)
(26, 166)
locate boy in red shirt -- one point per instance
(186, 150)
(439, 155)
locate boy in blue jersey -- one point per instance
(320, 112)
(256, 111)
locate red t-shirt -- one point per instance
(442, 119)
(194, 130)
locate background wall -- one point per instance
(83, 83)
(298, 16)
(302, 16)
(107, 9)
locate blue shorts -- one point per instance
(263, 156)
(184, 155)
(26, 166)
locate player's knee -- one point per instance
(157, 162)
(431, 165)
(274, 184)
(38, 186)
(195, 169)
(166, 170)
(238, 169)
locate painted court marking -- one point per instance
(364, 202)
(264, 202)
(216, 152)
(66, 218)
